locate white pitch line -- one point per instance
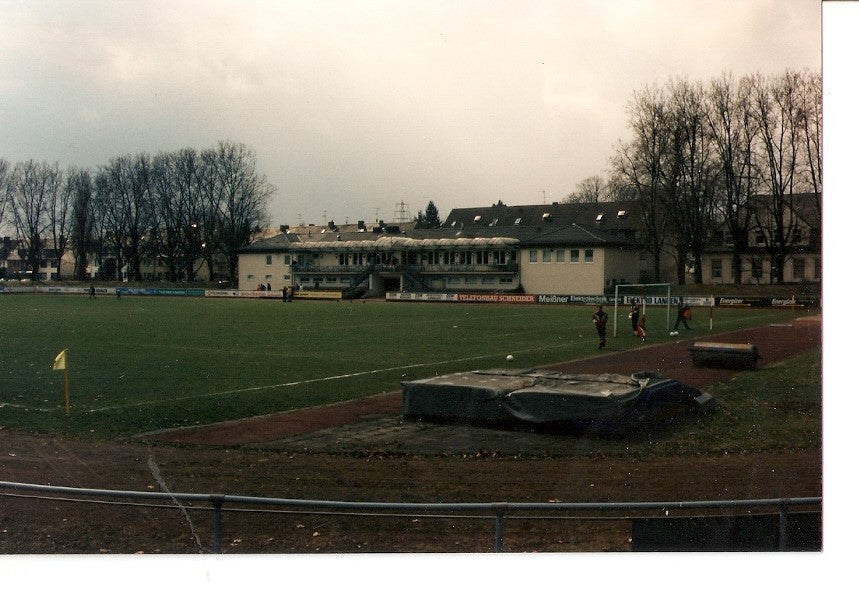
(319, 379)
(336, 377)
(23, 407)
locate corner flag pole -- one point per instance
(66, 389)
(60, 363)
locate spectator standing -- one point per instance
(684, 314)
(600, 319)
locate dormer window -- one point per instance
(547, 216)
(621, 213)
(478, 218)
(453, 224)
(494, 222)
(517, 222)
(599, 217)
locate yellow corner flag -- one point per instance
(60, 361)
(61, 364)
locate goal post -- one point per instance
(653, 295)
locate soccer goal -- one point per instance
(654, 296)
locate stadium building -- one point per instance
(558, 248)
(562, 248)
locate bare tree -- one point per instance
(82, 220)
(589, 190)
(192, 204)
(691, 196)
(5, 190)
(777, 103)
(32, 184)
(123, 189)
(60, 204)
(168, 219)
(734, 133)
(810, 123)
(240, 195)
(640, 162)
(109, 186)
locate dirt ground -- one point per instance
(363, 451)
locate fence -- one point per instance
(495, 511)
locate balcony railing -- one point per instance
(417, 269)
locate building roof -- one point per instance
(558, 224)
(615, 215)
(613, 223)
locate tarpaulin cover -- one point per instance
(540, 397)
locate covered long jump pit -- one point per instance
(550, 400)
(722, 355)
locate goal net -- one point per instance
(654, 299)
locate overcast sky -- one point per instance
(355, 106)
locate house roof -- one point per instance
(615, 215)
(499, 225)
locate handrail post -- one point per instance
(217, 502)
(499, 526)
(782, 526)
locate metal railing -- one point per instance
(495, 510)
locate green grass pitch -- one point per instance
(143, 363)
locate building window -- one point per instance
(547, 255)
(488, 280)
(287, 259)
(574, 255)
(559, 255)
(589, 255)
(517, 221)
(532, 255)
(716, 268)
(757, 268)
(268, 259)
(798, 269)
(814, 237)
(760, 238)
